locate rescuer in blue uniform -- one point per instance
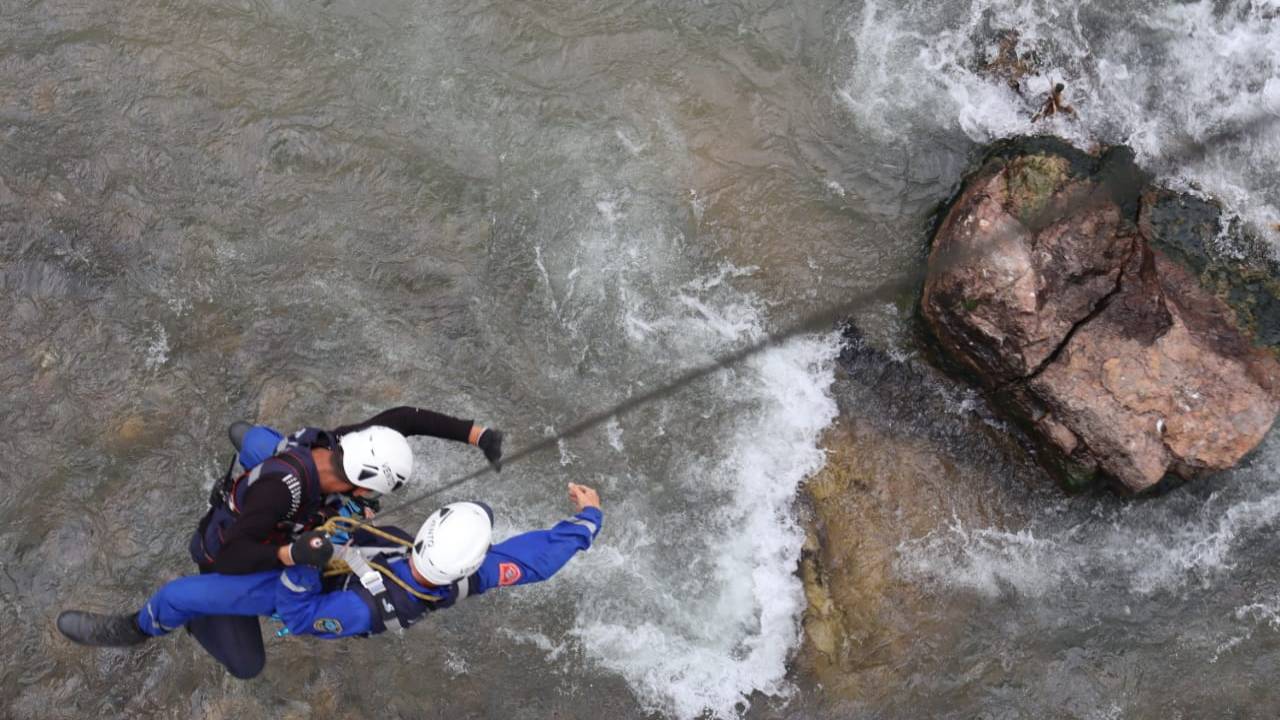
(391, 586)
(279, 487)
(282, 486)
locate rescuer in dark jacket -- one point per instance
(283, 486)
(255, 515)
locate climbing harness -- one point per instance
(351, 559)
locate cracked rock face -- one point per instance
(1045, 286)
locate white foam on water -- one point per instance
(1264, 614)
(551, 650)
(1228, 645)
(687, 654)
(1148, 548)
(1158, 79)
(987, 560)
(1110, 712)
(613, 432)
(455, 665)
(690, 595)
(1199, 551)
(158, 348)
(566, 457)
(1261, 613)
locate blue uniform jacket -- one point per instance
(307, 609)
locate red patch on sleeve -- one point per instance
(508, 574)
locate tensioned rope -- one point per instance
(1112, 185)
(826, 318)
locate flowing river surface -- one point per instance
(306, 211)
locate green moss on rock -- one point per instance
(1033, 181)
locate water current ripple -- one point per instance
(304, 212)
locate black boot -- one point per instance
(89, 628)
(237, 432)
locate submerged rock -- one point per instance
(882, 485)
(1107, 316)
(853, 637)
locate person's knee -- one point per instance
(259, 443)
(236, 433)
(247, 667)
(234, 641)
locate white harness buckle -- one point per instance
(372, 581)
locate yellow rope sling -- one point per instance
(339, 567)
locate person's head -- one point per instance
(452, 543)
(1059, 88)
(375, 460)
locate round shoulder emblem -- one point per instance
(328, 625)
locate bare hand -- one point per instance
(368, 513)
(583, 497)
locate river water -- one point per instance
(304, 212)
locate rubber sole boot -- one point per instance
(237, 432)
(100, 630)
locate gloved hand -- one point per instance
(363, 506)
(491, 443)
(311, 548)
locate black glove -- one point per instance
(491, 443)
(311, 548)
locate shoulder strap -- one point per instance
(248, 479)
(293, 480)
(371, 579)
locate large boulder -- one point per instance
(1092, 306)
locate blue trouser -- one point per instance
(235, 640)
(221, 611)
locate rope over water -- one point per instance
(1110, 186)
(827, 318)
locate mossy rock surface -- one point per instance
(1033, 181)
(1234, 266)
(1044, 163)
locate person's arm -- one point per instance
(411, 421)
(243, 550)
(307, 610)
(536, 556)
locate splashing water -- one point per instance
(1151, 549)
(528, 212)
(1156, 76)
(689, 657)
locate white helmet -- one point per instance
(377, 458)
(453, 542)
